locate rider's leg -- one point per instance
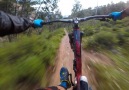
(52, 88)
(83, 83)
(65, 83)
(64, 78)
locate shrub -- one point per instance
(109, 77)
(122, 36)
(102, 39)
(106, 39)
(106, 24)
(90, 43)
(24, 62)
(115, 28)
(88, 31)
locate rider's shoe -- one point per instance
(64, 78)
(84, 83)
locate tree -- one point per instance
(47, 5)
(76, 8)
(105, 9)
(7, 6)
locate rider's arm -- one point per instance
(10, 24)
(125, 13)
(120, 15)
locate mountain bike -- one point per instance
(75, 38)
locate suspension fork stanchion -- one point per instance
(70, 75)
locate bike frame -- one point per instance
(77, 62)
(77, 65)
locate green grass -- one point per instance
(111, 39)
(115, 76)
(110, 78)
(23, 63)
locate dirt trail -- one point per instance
(65, 58)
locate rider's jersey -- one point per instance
(10, 24)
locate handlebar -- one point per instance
(77, 19)
(59, 20)
(95, 17)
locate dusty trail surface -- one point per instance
(65, 58)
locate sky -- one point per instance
(65, 6)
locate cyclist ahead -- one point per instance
(10, 24)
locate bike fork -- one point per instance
(70, 75)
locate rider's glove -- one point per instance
(116, 15)
(37, 23)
